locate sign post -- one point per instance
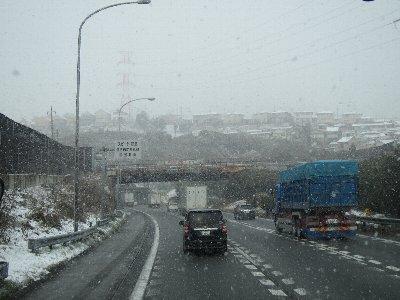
(125, 151)
(128, 150)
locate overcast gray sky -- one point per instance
(202, 56)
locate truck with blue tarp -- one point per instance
(312, 199)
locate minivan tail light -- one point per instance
(186, 229)
(224, 229)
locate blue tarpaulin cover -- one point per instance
(320, 168)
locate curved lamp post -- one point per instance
(126, 103)
(78, 83)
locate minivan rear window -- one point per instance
(205, 219)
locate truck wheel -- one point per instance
(296, 228)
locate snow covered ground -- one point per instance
(25, 266)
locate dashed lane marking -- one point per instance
(257, 274)
(277, 273)
(386, 241)
(267, 266)
(266, 282)
(375, 262)
(359, 259)
(251, 267)
(277, 292)
(358, 256)
(300, 291)
(393, 268)
(250, 263)
(288, 281)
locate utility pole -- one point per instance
(51, 121)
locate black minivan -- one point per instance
(204, 229)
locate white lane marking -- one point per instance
(251, 267)
(393, 268)
(277, 292)
(267, 266)
(331, 250)
(257, 274)
(288, 281)
(375, 262)
(277, 273)
(387, 241)
(300, 291)
(141, 284)
(266, 282)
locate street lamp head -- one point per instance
(143, 1)
(151, 99)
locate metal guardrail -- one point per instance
(36, 244)
(3, 270)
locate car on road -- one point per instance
(172, 207)
(244, 211)
(204, 229)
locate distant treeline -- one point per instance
(380, 183)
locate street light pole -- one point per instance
(119, 132)
(126, 103)
(78, 85)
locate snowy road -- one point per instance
(259, 264)
(108, 271)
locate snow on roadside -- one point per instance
(25, 266)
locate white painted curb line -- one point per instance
(144, 277)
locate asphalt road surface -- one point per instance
(259, 264)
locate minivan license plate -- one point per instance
(205, 232)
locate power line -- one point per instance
(293, 70)
(287, 29)
(305, 54)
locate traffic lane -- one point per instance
(380, 253)
(321, 273)
(107, 271)
(181, 276)
(267, 223)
